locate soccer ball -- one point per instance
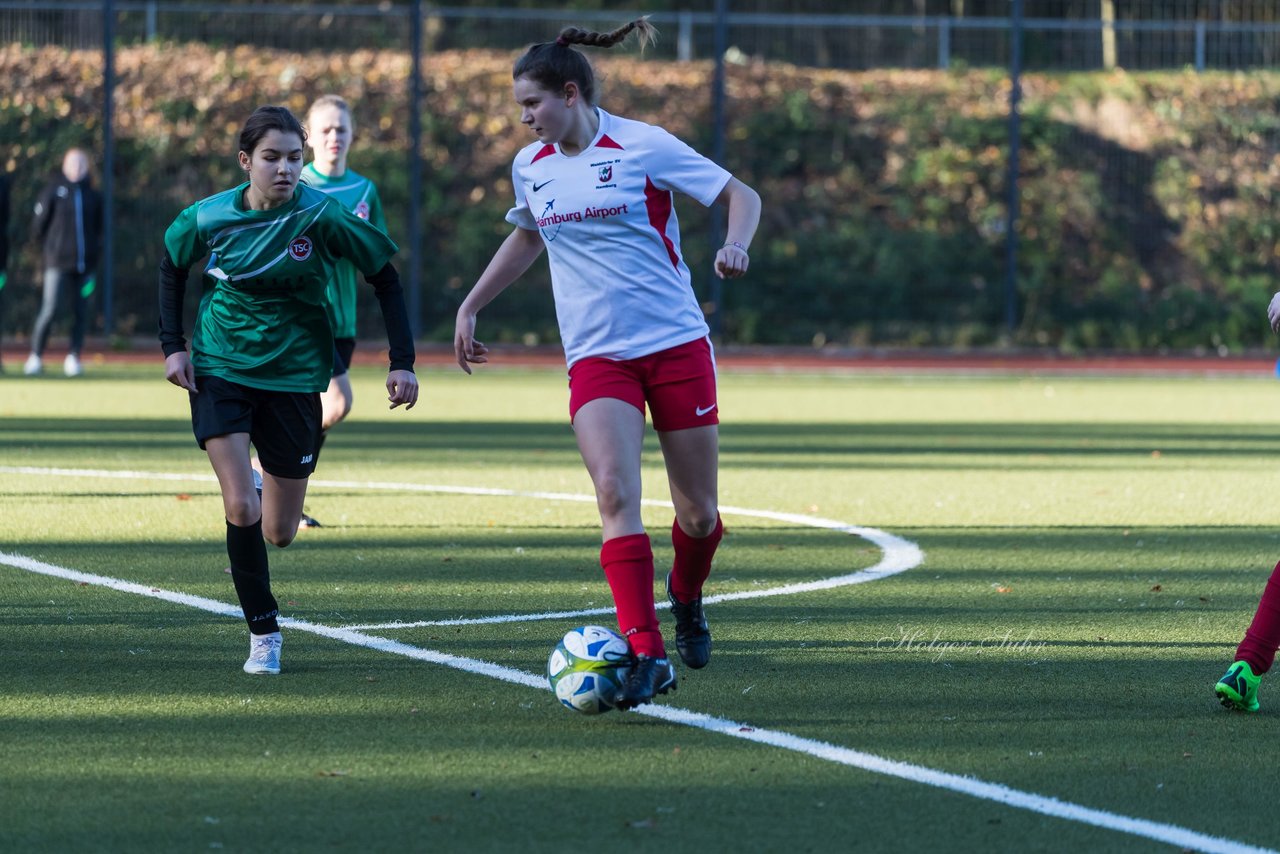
(588, 667)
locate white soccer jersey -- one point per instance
(607, 217)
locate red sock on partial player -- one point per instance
(628, 566)
(1263, 637)
(692, 565)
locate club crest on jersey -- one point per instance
(362, 209)
(300, 248)
(606, 174)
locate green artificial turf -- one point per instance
(1093, 550)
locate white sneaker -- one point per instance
(33, 365)
(71, 365)
(264, 654)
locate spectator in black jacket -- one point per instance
(68, 222)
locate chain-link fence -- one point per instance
(880, 142)
(1059, 34)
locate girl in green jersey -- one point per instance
(262, 350)
(330, 132)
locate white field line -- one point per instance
(899, 554)
(1168, 833)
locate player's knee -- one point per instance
(614, 497)
(700, 522)
(336, 408)
(278, 536)
(242, 510)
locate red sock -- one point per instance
(628, 566)
(1263, 637)
(693, 560)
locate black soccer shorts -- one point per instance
(343, 350)
(284, 426)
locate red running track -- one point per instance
(780, 359)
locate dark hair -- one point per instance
(553, 64)
(264, 120)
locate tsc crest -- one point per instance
(300, 248)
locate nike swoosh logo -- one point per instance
(537, 187)
(701, 411)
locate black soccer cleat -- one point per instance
(693, 638)
(307, 522)
(647, 678)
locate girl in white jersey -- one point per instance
(596, 191)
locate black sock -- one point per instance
(248, 553)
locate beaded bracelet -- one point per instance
(737, 244)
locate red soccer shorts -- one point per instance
(679, 385)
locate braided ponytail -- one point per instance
(574, 35)
(553, 64)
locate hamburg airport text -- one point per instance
(579, 216)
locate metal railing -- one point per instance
(831, 40)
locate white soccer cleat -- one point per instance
(264, 654)
(33, 365)
(71, 365)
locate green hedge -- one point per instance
(1147, 218)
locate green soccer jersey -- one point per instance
(262, 320)
(357, 194)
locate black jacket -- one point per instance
(68, 223)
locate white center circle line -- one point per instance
(899, 555)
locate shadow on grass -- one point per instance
(743, 445)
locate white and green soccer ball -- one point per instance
(588, 667)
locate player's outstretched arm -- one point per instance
(402, 384)
(743, 205)
(521, 248)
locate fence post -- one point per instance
(717, 154)
(1015, 134)
(151, 20)
(415, 167)
(944, 43)
(684, 37)
(108, 166)
(1200, 36)
(1108, 16)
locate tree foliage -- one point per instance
(1147, 218)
